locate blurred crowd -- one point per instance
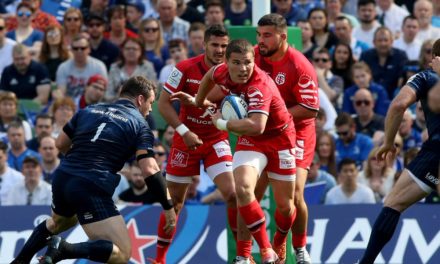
(55, 62)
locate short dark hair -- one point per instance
(276, 20)
(380, 29)
(412, 17)
(344, 119)
(175, 43)
(342, 18)
(31, 159)
(137, 85)
(215, 30)
(346, 162)
(44, 116)
(366, 2)
(241, 46)
(210, 3)
(196, 26)
(15, 124)
(116, 9)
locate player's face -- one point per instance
(146, 106)
(269, 40)
(215, 49)
(241, 66)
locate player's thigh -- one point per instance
(113, 229)
(301, 178)
(248, 165)
(405, 192)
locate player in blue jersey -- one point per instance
(421, 176)
(97, 142)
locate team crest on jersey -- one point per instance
(280, 79)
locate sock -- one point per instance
(299, 240)
(35, 243)
(244, 248)
(163, 239)
(284, 223)
(232, 220)
(253, 216)
(98, 250)
(383, 230)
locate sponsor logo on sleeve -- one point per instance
(175, 78)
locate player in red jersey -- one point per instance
(267, 141)
(296, 80)
(196, 138)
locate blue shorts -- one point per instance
(425, 166)
(76, 195)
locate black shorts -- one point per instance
(76, 195)
(425, 166)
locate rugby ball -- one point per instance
(233, 107)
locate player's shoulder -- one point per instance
(189, 63)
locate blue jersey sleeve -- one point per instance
(145, 139)
(422, 82)
(69, 128)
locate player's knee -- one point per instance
(299, 197)
(285, 207)
(120, 255)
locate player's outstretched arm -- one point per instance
(63, 142)
(206, 85)
(403, 100)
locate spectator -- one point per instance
(160, 155)
(315, 175)
(322, 36)
(135, 10)
(411, 137)
(101, 48)
(72, 23)
(196, 34)
(138, 191)
(436, 13)
(97, 7)
(326, 149)
(214, 13)
(331, 84)
(167, 138)
(32, 190)
(49, 157)
(189, 13)
(348, 190)
(350, 144)
(426, 54)
(391, 16)
(386, 62)
(26, 78)
(307, 5)
(423, 11)
(290, 12)
(377, 175)
(344, 33)
(342, 61)
(118, 33)
(238, 13)
(308, 47)
(25, 33)
(328, 114)
(362, 79)
(40, 21)
(93, 93)
(408, 40)
(368, 24)
(18, 150)
(8, 114)
(366, 120)
(53, 51)
(73, 74)
(155, 49)
(419, 122)
(334, 10)
(6, 45)
(8, 176)
(131, 63)
(178, 52)
(172, 26)
(62, 111)
(43, 128)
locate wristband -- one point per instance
(182, 129)
(222, 124)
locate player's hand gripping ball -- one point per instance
(233, 107)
